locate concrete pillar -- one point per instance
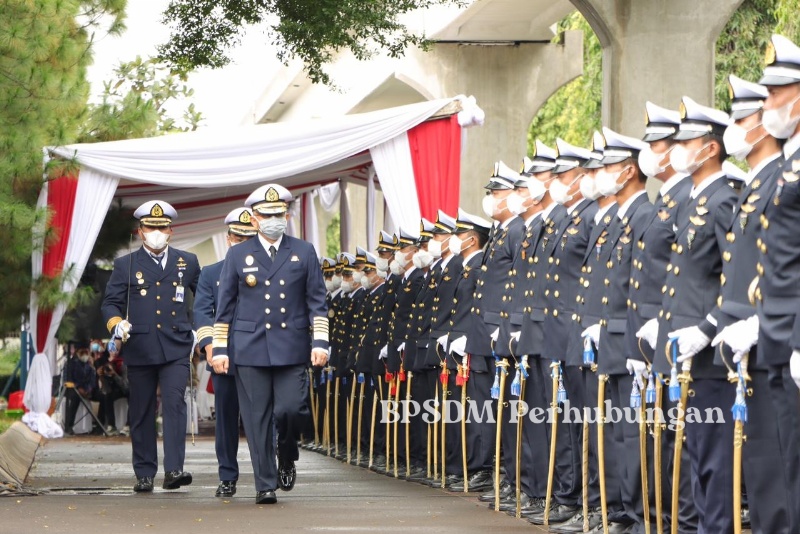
(510, 83)
(657, 50)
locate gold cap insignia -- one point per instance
(156, 211)
(272, 195)
(682, 109)
(244, 217)
(730, 90)
(769, 57)
(646, 117)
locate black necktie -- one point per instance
(157, 258)
(272, 253)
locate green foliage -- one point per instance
(204, 31)
(332, 237)
(9, 357)
(139, 102)
(573, 112)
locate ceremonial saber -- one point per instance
(375, 396)
(326, 424)
(657, 427)
(336, 418)
(585, 468)
(396, 422)
(464, 370)
(521, 366)
(360, 418)
(435, 448)
(551, 469)
(351, 410)
(502, 366)
(601, 450)
(408, 424)
(684, 379)
(643, 463)
(445, 392)
(388, 424)
(739, 410)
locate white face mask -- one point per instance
(330, 286)
(435, 248)
(347, 286)
(560, 192)
(422, 258)
(607, 182)
(650, 162)
(588, 188)
(516, 204)
(273, 227)
(84, 358)
(536, 190)
(383, 274)
(396, 268)
(337, 281)
(489, 205)
(455, 245)
(365, 282)
(401, 259)
(736, 143)
(156, 240)
(780, 123)
(685, 161)
(382, 264)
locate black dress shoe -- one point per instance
(505, 491)
(266, 497)
(558, 514)
(535, 506)
(575, 524)
(615, 528)
(510, 505)
(226, 488)
(479, 481)
(176, 479)
(286, 475)
(143, 484)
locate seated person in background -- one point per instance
(79, 381)
(112, 384)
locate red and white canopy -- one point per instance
(205, 174)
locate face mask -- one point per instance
(779, 123)
(560, 192)
(515, 203)
(401, 259)
(84, 358)
(736, 143)
(337, 281)
(435, 248)
(383, 274)
(95, 347)
(536, 189)
(156, 239)
(347, 286)
(683, 160)
(588, 188)
(396, 268)
(457, 244)
(488, 204)
(382, 264)
(365, 282)
(273, 227)
(650, 162)
(330, 286)
(607, 182)
(422, 259)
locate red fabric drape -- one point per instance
(436, 158)
(60, 204)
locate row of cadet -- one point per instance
(582, 294)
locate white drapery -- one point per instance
(310, 223)
(392, 160)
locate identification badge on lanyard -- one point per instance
(179, 288)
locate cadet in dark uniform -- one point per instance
(271, 297)
(467, 245)
(779, 286)
(767, 496)
(145, 306)
(690, 307)
(226, 400)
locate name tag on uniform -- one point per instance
(295, 258)
(250, 270)
(178, 293)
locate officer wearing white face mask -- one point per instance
(146, 308)
(778, 293)
(272, 303)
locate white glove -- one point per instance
(401, 347)
(515, 336)
(794, 367)
(494, 335)
(459, 346)
(739, 336)
(691, 340)
(649, 332)
(638, 369)
(122, 330)
(442, 341)
(593, 333)
(384, 352)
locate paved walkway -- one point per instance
(87, 483)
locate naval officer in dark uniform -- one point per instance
(145, 307)
(271, 299)
(226, 401)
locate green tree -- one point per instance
(45, 47)
(204, 31)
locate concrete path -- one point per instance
(87, 485)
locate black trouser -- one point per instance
(785, 395)
(106, 408)
(226, 434)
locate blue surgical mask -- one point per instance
(273, 227)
